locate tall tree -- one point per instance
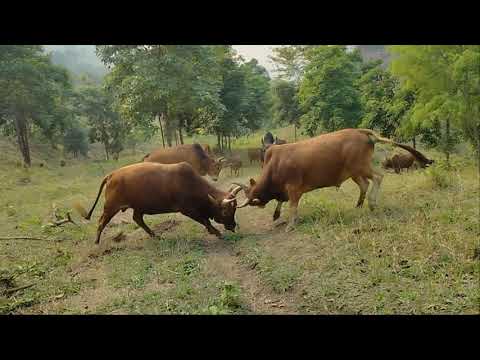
(106, 125)
(447, 81)
(161, 81)
(328, 94)
(33, 93)
(285, 106)
(377, 90)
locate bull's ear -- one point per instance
(252, 182)
(212, 199)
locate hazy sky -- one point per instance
(259, 52)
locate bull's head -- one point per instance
(224, 208)
(253, 198)
(215, 167)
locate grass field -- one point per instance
(415, 254)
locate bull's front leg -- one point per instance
(294, 197)
(204, 221)
(276, 221)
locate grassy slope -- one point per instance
(414, 254)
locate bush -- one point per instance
(441, 176)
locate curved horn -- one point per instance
(244, 187)
(236, 190)
(227, 201)
(220, 159)
(245, 203)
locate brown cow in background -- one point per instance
(193, 154)
(292, 170)
(254, 155)
(151, 188)
(401, 161)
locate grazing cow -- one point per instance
(401, 161)
(193, 154)
(327, 160)
(254, 155)
(235, 166)
(151, 188)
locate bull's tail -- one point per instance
(82, 211)
(374, 137)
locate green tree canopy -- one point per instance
(328, 95)
(33, 92)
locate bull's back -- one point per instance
(150, 186)
(326, 160)
(175, 155)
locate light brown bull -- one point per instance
(291, 170)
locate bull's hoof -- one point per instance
(289, 228)
(372, 206)
(279, 223)
(276, 215)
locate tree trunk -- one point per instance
(168, 129)
(447, 140)
(218, 141)
(295, 130)
(414, 143)
(180, 135)
(106, 150)
(229, 144)
(161, 128)
(22, 137)
(176, 137)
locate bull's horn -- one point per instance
(245, 188)
(227, 201)
(221, 159)
(236, 190)
(245, 203)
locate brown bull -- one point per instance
(292, 170)
(254, 155)
(151, 188)
(398, 162)
(193, 154)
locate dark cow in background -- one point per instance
(151, 188)
(292, 170)
(268, 141)
(193, 154)
(401, 161)
(279, 141)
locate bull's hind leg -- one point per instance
(138, 218)
(377, 178)
(294, 197)
(363, 185)
(107, 215)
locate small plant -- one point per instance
(439, 177)
(230, 295)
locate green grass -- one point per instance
(412, 255)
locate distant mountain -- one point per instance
(374, 52)
(79, 59)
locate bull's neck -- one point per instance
(262, 188)
(212, 190)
